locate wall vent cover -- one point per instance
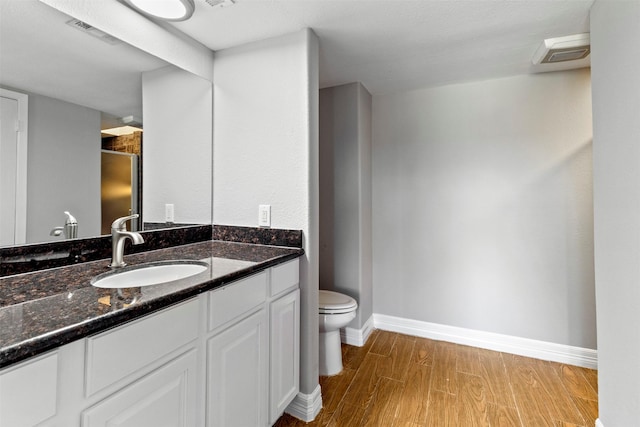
(562, 49)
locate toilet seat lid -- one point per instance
(334, 302)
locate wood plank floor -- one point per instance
(400, 380)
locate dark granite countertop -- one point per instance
(46, 309)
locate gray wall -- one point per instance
(345, 196)
(63, 168)
(615, 40)
(482, 207)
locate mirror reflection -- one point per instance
(64, 85)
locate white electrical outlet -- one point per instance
(264, 216)
(168, 213)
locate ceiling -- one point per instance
(389, 46)
(398, 45)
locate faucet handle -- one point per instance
(120, 223)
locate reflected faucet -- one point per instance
(70, 228)
(119, 234)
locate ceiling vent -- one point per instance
(562, 49)
(93, 31)
(219, 3)
(131, 121)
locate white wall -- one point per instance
(260, 133)
(345, 197)
(615, 40)
(482, 207)
(266, 152)
(63, 171)
(176, 147)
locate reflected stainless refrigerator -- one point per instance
(119, 188)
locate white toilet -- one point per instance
(336, 311)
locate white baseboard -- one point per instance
(306, 407)
(599, 423)
(357, 337)
(577, 356)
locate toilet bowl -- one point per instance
(336, 310)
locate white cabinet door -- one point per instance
(28, 392)
(285, 353)
(164, 398)
(237, 365)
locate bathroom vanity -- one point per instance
(220, 348)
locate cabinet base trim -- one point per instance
(357, 337)
(306, 407)
(578, 356)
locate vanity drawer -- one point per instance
(236, 299)
(120, 352)
(285, 276)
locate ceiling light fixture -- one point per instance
(169, 10)
(122, 130)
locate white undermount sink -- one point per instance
(153, 273)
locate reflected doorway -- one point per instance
(13, 167)
(121, 176)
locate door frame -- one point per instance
(21, 169)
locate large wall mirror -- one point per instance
(79, 81)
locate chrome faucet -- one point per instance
(119, 234)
